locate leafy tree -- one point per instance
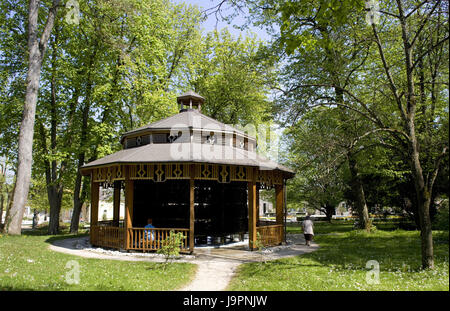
(234, 77)
(113, 71)
(37, 45)
(315, 154)
(13, 72)
(401, 95)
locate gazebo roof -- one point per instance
(190, 118)
(189, 149)
(191, 94)
(196, 153)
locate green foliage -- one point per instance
(441, 222)
(234, 77)
(330, 59)
(13, 42)
(322, 13)
(316, 154)
(171, 246)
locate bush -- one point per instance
(441, 222)
(171, 246)
(260, 246)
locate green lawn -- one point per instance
(324, 227)
(340, 263)
(26, 263)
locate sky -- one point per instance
(211, 23)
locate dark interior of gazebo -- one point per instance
(220, 209)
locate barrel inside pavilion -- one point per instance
(190, 174)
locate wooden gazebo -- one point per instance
(190, 174)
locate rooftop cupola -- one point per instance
(190, 100)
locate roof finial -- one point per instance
(190, 99)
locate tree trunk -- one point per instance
(54, 188)
(8, 208)
(54, 198)
(358, 194)
(1, 210)
(78, 197)
(426, 233)
(329, 212)
(54, 183)
(78, 201)
(423, 188)
(36, 49)
(78, 194)
(75, 220)
(423, 202)
(2, 197)
(410, 206)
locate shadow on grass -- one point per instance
(54, 238)
(8, 288)
(64, 234)
(43, 230)
(64, 287)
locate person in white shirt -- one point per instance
(307, 226)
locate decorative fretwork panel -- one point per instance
(241, 173)
(132, 142)
(206, 171)
(159, 172)
(141, 171)
(268, 179)
(162, 171)
(277, 177)
(178, 171)
(224, 174)
(265, 178)
(109, 174)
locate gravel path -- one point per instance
(212, 276)
(216, 266)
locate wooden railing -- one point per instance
(111, 223)
(149, 239)
(105, 236)
(271, 235)
(138, 238)
(263, 223)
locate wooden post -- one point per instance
(95, 188)
(129, 195)
(279, 196)
(116, 204)
(191, 209)
(257, 205)
(252, 213)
